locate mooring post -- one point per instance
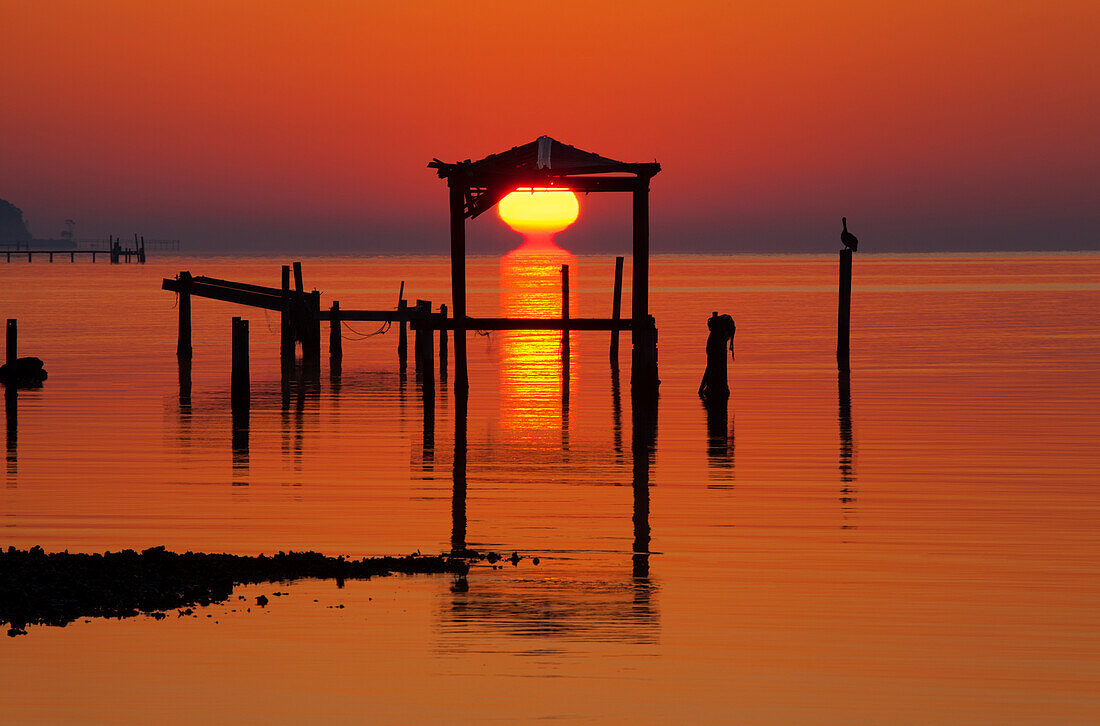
(183, 346)
(12, 344)
(443, 344)
(335, 341)
(403, 334)
(51, 257)
(298, 285)
(311, 333)
(456, 188)
(142, 254)
(426, 348)
(565, 310)
(72, 257)
(616, 305)
(418, 339)
(239, 388)
(844, 309)
(286, 332)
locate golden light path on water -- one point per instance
(534, 376)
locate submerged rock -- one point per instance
(57, 588)
(24, 372)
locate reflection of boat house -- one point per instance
(476, 186)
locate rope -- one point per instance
(363, 336)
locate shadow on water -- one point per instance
(846, 457)
(616, 414)
(458, 495)
(240, 446)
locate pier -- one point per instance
(115, 252)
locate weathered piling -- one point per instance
(335, 340)
(310, 324)
(418, 338)
(456, 193)
(715, 386)
(286, 336)
(403, 335)
(240, 393)
(616, 305)
(12, 341)
(443, 345)
(844, 309)
(299, 286)
(183, 345)
(426, 349)
(565, 309)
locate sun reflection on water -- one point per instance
(534, 378)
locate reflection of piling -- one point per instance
(240, 392)
(616, 305)
(458, 496)
(565, 311)
(335, 340)
(844, 418)
(443, 345)
(844, 310)
(719, 434)
(11, 417)
(643, 446)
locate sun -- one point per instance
(539, 211)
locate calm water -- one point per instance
(916, 544)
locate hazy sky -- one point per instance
(274, 125)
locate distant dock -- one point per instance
(110, 248)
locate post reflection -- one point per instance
(720, 439)
(240, 446)
(11, 417)
(458, 493)
(536, 370)
(643, 448)
(846, 463)
(294, 395)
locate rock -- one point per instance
(262, 601)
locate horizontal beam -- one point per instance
(530, 324)
(238, 285)
(226, 294)
(377, 316)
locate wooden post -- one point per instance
(298, 286)
(72, 257)
(142, 253)
(240, 393)
(616, 305)
(418, 338)
(183, 345)
(565, 309)
(51, 257)
(403, 335)
(286, 336)
(335, 340)
(844, 309)
(12, 344)
(458, 279)
(426, 349)
(443, 345)
(311, 333)
(643, 332)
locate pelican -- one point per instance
(847, 237)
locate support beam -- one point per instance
(458, 280)
(526, 324)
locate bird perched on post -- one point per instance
(847, 237)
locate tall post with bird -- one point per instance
(844, 306)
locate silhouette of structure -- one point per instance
(715, 385)
(476, 186)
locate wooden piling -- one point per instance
(458, 279)
(311, 333)
(183, 345)
(335, 340)
(643, 331)
(844, 309)
(403, 335)
(12, 344)
(443, 345)
(418, 338)
(298, 285)
(565, 309)
(240, 393)
(616, 305)
(286, 333)
(426, 350)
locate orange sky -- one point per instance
(930, 124)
